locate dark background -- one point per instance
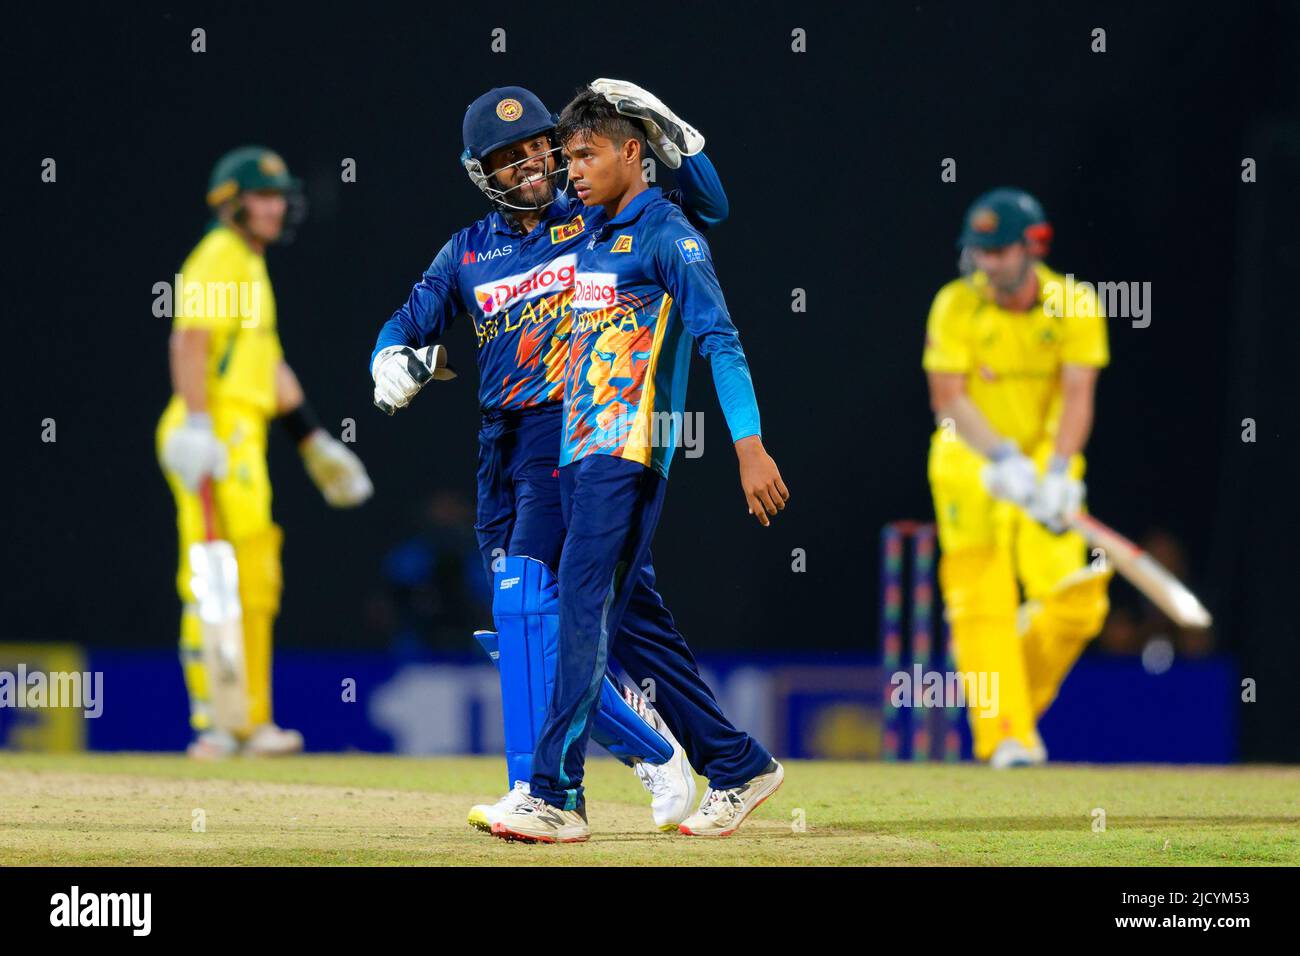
(831, 159)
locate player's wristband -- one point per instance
(1058, 464)
(300, 422)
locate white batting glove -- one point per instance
(335, 470)
(400, 372)
(1057, 498)
(1010, 475)
(670, 136)
(194, 452)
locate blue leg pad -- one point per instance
(526, 608)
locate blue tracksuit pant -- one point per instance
(609, 609)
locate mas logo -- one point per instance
(623, 243)
(690, 249)
(567, 231)
(509, 110)
(553, 276)
(470, 257)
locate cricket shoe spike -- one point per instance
(721, 812)
(536, 821)
(268, 740)
(483, 815)
(671, 784)
(212, 745)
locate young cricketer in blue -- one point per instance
(645, 287)
(516, 289)
(512, 273)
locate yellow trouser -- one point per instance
(988, 548)
(243, 505)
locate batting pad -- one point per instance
(526, 607)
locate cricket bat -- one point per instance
(1144, 572)
(215, 584)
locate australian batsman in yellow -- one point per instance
(1012, 363)
(229, 379)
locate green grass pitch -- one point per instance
(100, 809)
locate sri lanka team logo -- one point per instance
(554, 276)
(567, 231)
(509, 110)
(623, 243)
(690, 249)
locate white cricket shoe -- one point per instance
(483, 815)
(671, 785)
(1012, 753)
(534, 820)
(213, 745)
(721, 812)
(268, 740)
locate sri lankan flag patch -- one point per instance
(623, 243)
(566, 231)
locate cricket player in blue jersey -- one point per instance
(645, 287)
(512, 272)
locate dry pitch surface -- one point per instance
(375, 810)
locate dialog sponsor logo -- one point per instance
(595, 290)
(553, 276)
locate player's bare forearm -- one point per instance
(765, 492)
(1078, 394)
(949, 401)
(189, 367)
(288, 390)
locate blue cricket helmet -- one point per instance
(504, 115)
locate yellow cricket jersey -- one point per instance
(1012, 360)
(224, 288)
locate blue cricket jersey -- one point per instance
(645, 287)
(517, 291)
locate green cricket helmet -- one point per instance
(1004, 216)
(249, 168)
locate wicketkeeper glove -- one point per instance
(193, 451)
(669, 135)
(1057, 498)
(400, 371)
(335, 470)
(1010, 475)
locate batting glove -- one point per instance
(669, 135)
(194, 452)
(1057, 498)
(1010, 475)
(400, 371)
(335, 470)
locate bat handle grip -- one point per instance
(209, 509)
